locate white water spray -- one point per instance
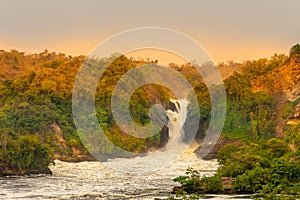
(113, 184)
(165, 156)
(176, 120)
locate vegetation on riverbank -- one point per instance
(263, 165)
(36, 122)
(269, 169)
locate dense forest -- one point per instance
(36, 122)
(36, 110)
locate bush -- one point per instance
(193, 183)
(26, 153)
(295, 50)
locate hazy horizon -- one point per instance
(228, 30)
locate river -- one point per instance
(116, 179)
(95, 180)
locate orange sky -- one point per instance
(228, 30)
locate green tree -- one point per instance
(295, 50)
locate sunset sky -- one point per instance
(228, 29)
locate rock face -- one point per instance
(284, 84)
(77, 154)
(283, 81)
(296, 113)
(294, 117)
(164, 136)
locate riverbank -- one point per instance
(269, 169)
(6, 170)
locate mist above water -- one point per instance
(146, 177)
(162, 157)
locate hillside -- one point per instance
(283, 82)
(263, 115)
(36, 122)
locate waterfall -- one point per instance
(137, 183)
(163, 157)
(177, 119)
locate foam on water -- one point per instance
(96, 180)
(165, 156)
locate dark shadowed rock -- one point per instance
(164, 136)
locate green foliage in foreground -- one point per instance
(270, 170)
(193, 183)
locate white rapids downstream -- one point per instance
(96, 180)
